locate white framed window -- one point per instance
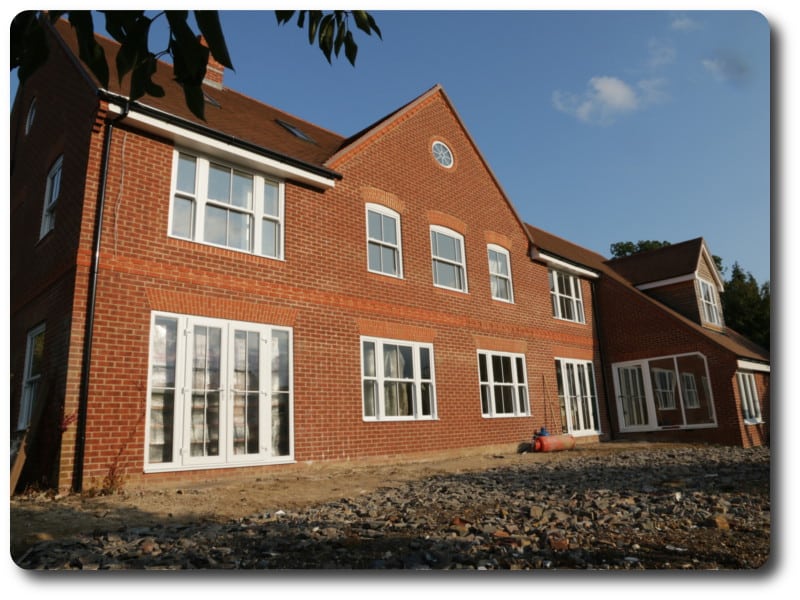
(51, 194)
(577, 396)
(220, 393)
(34, 353)
(504, 384)
(565, 293)
(221, 205)
(712, 312)
(449, 263)
(691, 397)
(384, 253)
(664, 388)
(442, 154)
(751, 406)
(500, 273)
(398, 381)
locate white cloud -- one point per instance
(727, 68)
(661, 53)
(684, 23)
(607, 98)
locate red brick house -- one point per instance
(674, 371)
(192, 299)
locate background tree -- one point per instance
(746, 306)
(330, 30)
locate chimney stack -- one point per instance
(215, 71)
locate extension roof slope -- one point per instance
(236, 115)
(659, 264)
(729, 339)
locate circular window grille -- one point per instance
(442, 154)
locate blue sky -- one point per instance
(601, 126)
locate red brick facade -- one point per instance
(321, 289)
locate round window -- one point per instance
(442, 154)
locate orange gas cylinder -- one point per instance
(553, 443)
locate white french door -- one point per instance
(577, 395)
(231, 402)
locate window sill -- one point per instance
(753, 422)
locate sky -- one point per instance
(601, 126)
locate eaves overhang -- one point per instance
(562, 265)
(751, 365)
(194, 136)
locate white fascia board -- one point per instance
(664, 282)
(562, 265)
(209, 146)
(749, 365)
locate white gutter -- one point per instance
(563, 265)
(670, 281)
(749, 365)
(193, 140)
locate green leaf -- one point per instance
(209, 25)
(350, 48)
(89, 50)
(195, 100)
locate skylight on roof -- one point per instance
(296, 131)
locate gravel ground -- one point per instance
(674, 507)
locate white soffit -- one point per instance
(565, 266)
(749, 365)
(212, 147)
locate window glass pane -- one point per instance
(425, 363)
(427, 395)
(390, 357)
(374, 257)
(446, 247)
(37, 354)
(281, 418)
(242, 190)
(183, 217)
(162, 409)
(271, 199)
(219, 183)
(369, 359)
(485, 399)
(390, 399)
(406, 358)
(239, 234)
(369, 398)
(280, 361)
(269, 238)
(482, 368)
(405, 399)
(187, 167)
(216, 225)
(520, 370)
(164, 339)
(447, 275)
(389, 230)
(374, 225)
(389, 260)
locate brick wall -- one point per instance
(324, 291)
(634, 329)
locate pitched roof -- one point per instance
(729, 339)
(668, 262)
(228, 111)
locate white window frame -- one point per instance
(269, 393)
(51, 195)
(459, 266)
(257, 212)
(709, 299)
(489, 383)
(748, 392)
(396, 248)
(496, 276)
(584, 395)
(375, 378)
(691, 397)
(647, 419)
(572, 295)
(31, 382)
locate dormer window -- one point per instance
(712, 312)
